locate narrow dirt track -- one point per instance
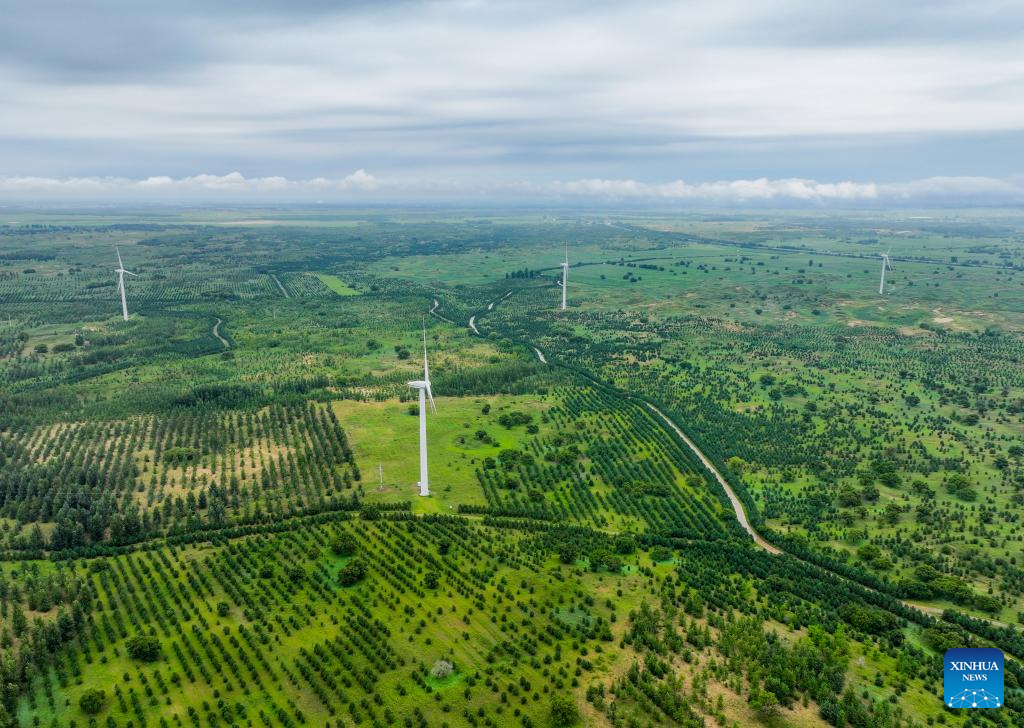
(216, 332)
(283, 290)
(737, 506)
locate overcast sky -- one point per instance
(913, 101)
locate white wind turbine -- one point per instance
(886, 265)
(424, 389)
(120, 283)
(565, 275)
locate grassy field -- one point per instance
(385, 434)
(337, 285)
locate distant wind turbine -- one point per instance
(120, 283)
(423, 386)
(886, 265)
(565, 275)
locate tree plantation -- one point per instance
(730, 485)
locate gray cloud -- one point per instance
(488, 92)
(126, 40)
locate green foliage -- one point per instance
(563, 711)
(353, 572)
(344, 544)
(960, 485)
(92, 700)
(512, 419)
(660, 554)
(180, 455)
(144, 648)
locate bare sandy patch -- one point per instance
(911, 331)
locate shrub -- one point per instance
(661, 553)
(352, 572)
(512, 419)
(92, 701)
(564, 711)
(442, 669)
(344, 545)
(143, 647)
(625, 544)
(180, 455)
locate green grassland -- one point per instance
(384, 433)
(337, 285)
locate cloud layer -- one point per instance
(361, 187)
(482, 93)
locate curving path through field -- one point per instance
(737, 505)
(741, 516)
(216, 332)
(433, 312)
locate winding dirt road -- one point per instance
(737, 506)
(741, 516)
(216, 332)
(433, 312)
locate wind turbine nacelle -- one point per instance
(418, 384)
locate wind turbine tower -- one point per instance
(120, 283)
(565, 275)
(886, 265)
(423, 386)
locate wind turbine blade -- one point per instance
(430, 396)
(426, 368)
(128, 272)
(119, 263)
